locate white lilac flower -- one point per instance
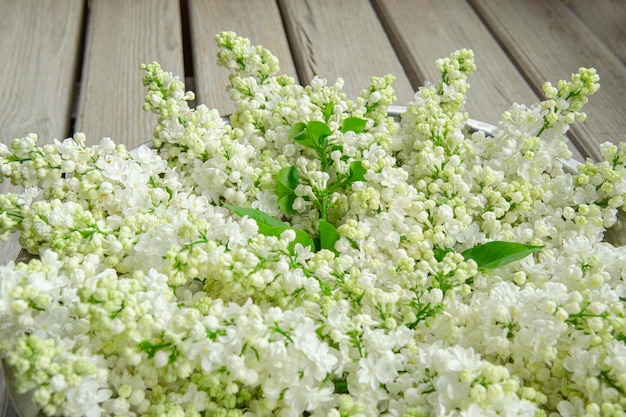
(345, 288)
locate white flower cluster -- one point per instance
(309, 257)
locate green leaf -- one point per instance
(300, 134)
(328, 236)
(341, 386)
(441, 253)
(318, 131)
(286, 183)
(302, 237)
(353, 124)
(271, 226)
(495, 254)
(256, 215)
(328, 110)
(357, 172)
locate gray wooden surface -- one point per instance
(259, 20)
(548, 42)
(415, 23)
(120, 36)
(74, 65)
(606, 19)
(343, 39)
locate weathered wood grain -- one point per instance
(606, 19)
(121, 35)
(426, 30)
(344, 39)
(541, 39)
(548, 43)
(39, 45)
(6, 406)
(416, 30)
(258, 20)
(37, 74)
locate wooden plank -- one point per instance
(39, 43)
(121, 35)
(419, 37)
(606, 19)
(6, 407)
(257, 20)
(549, 43)
(344, 39)
(416, 28)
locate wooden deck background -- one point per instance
(74, 65)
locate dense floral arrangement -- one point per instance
(316, 257)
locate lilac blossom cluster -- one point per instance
(149, 296)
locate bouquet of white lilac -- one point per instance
(313, 256)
